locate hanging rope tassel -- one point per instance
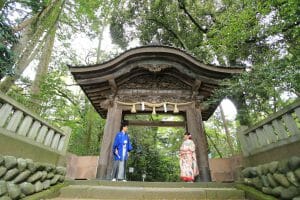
(143, 106)
(165, 108)
(133, 110)
(153, 111)
(175, 108)
(153, 106)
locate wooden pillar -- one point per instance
(195, 127)
(112, 126)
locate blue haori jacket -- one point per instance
(120, 140)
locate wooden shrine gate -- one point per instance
(155, 79)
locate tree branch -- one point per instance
(186, 12)
(214, 145)
(169, 30)
(59, 93)
(268, 33)
(24, 24)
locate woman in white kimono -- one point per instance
(188, 163)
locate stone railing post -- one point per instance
(243, 140)
(278, 129)
(64, 141)
(19, 122)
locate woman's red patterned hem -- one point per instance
(187, 179)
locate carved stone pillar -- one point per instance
(195, 127)
(112, 126)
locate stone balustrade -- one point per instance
(20, 123)
(282, 128)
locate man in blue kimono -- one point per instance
(120, 149)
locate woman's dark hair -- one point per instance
(188, 134)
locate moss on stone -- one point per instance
(252, 193)
(46, 194)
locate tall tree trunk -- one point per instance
(99, 44)
(242, 112)
(88, 134)
(7, 82)
(44, 61)
(105, 20)
(228, 137)
(214, 145)
(89, 125)
(32, 39)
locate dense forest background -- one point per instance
(38, 38)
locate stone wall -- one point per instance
(21, 177)
(225, 169)
(278, 178)
(11, 144)
(81, 167)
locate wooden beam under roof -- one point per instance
(113, 85)
(156, 123)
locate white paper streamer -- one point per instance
(165, 107)
(153, 111)
(143, 106)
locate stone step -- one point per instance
(143, 190)
(151, 184)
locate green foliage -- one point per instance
(232, 30)
(155, 153)
(262, 34)
(35, 5)
(7, 39)
(88, 8)
(246, 35)
(117, 32)
(65, 107)
(88, 131)
(85, 16)
(216, 136)
(89, 17)
(57, 102)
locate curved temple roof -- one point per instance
(174, 69)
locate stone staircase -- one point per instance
(94, 189)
